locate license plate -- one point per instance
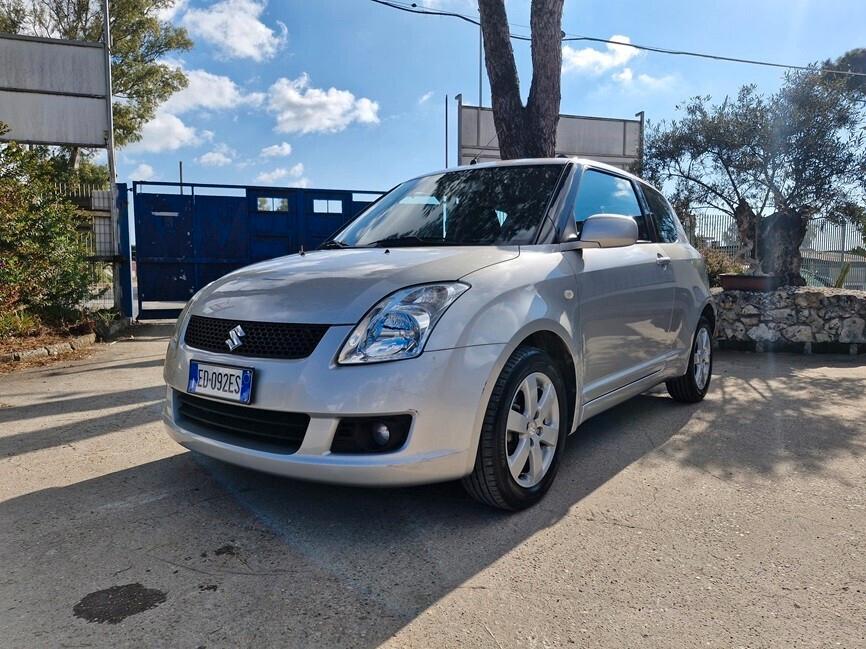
(221, 381)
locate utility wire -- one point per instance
(420, 9)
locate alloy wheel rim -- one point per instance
(532, 429)
(702, 357)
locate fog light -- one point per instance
(381, 434)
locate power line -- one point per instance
(415, 8)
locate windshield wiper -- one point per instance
(408, 240)
(333, 243)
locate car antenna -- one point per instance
(481, 150)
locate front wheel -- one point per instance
(523, 434)
(692, 386)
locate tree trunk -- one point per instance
(779, 239)
(747, 224)
(74, 153)
(530, 131)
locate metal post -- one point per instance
(180, 174)
(640, 144)
(459, 100)
(446, 131)
(112, 169)
(480, 65)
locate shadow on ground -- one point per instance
(315, 565)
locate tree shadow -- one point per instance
(334, 566)
(252, 559)
(775, 414)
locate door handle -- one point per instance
(661, 260)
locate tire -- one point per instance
(688, 388)
(492, 481)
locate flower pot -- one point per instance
(762, 283)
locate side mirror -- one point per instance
(604, 231)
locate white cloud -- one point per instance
(209, 91)
(423, 99)
(220, 156)
(595, 61)
(627, 78)
(168, 13)
(142, 172)
(656, 82)
(234, 27)
(296, 172)
(167, 132)
(280, 150)
(624, 76)
(300, 182)
(302, 109)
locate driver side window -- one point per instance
(603, 193)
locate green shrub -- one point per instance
(43, 269)
(718, 263)
(18, 324)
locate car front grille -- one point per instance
(260, 339)
(266, 430)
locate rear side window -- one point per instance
(663, 215)
(602, 193)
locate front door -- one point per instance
(625, 294)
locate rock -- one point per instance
(28, 354)
(750, 309)
(787, 316)
(807, 298)
(762, 333)
(83, 341)
(852, 330)
(798, 333)
(58, 348)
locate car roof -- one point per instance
(584, 162)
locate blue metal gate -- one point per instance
(191, 234)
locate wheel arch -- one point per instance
(561, 354)
(551, 336)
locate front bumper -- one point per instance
(446, 393)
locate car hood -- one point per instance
(336, 286)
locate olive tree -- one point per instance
(524, 131)
(772, 162)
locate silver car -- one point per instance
(459, 328)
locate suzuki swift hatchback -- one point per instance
(460, 327)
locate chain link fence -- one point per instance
(826, 249)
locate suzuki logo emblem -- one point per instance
(234, 341)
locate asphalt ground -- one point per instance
(737, 522)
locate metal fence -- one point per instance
(96, 231)
(826, 249)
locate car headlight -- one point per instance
(398, 326)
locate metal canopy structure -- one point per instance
(54, 91)
(616, 142)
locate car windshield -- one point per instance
(482, 206)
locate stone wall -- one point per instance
(798, 319)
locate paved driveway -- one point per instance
(737, 522)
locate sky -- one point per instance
(350, 94)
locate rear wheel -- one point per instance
(694, 384)
(523, 434)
